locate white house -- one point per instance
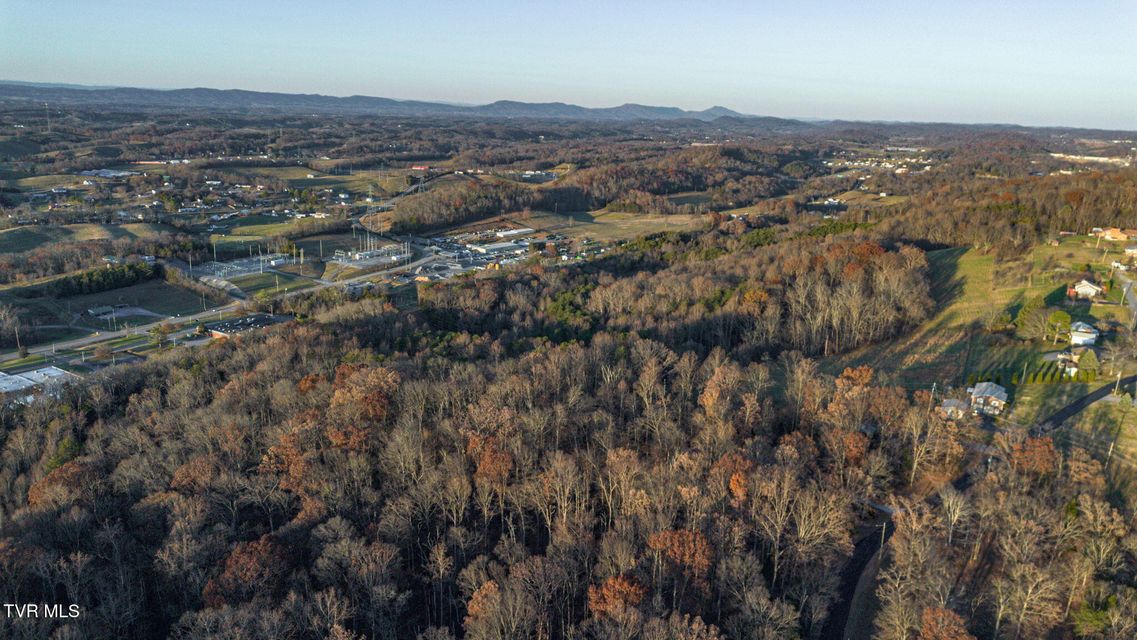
(1082, 334)
(1086, 289)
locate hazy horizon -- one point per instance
(1028, 63)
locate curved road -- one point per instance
(866, 549)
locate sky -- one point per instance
(1032, 62)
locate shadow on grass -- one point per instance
(947, 284)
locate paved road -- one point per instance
(111, 335)
(203, 316)
(836, 626)
(1055, 420)
(1130, 295)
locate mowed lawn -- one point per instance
(30, 237)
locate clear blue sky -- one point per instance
(1030, 62)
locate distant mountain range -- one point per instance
(361, 105)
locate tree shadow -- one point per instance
(946, 282)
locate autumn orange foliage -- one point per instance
(942, 624)
(615, 595)
(252, 569)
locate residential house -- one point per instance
(1113, 234)
(1068, 361)
(1085, 290)
(988, 398)
(1131, 251)
(1082, 334)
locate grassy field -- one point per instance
(690, 197)
(1111, 421)
(27, 238)
(156, 296)
(951, 344)
(387, 181)
(328, 243)
(41, 183)
(608, 226)
(59, 319)
(311, 268)
(340, 271)
(866, 199)
(256, 229)
(939, 350)
(263, 225)
(253, 284)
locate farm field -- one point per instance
(31, 237)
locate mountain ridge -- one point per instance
(355, 104)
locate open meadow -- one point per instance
(26, 238)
